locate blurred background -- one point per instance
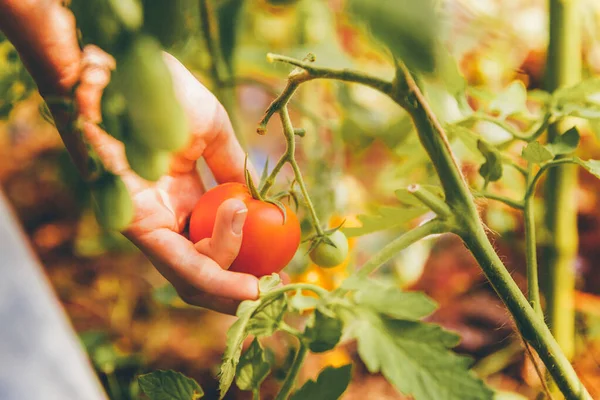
(359, 148)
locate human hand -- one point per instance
(44, 33)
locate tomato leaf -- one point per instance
(512, 100)
(323, 332)
(415, 357)
(169, 385)
(253, 367)
(580, 100)
(389, 299)
(268, 283)
(236, 335)
(267, 318)
(536, 153)
(299, 302)
(491, 169)
(330, 385)
(408, 28)
(386, 218)
(565, 143)
(593, 166)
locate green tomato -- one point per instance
(326, 255)
(148, 163)
(113, 205)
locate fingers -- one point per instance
(210, 126)
(215, 303)
(178, 260)
(224, 245)
(43, 32)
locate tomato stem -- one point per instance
(290, 379)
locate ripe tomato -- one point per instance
(268, 243)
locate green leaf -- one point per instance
(323, 332)
(536, 153)
(268, 283)
(415, 357)
(253, 367)
(267, 319)
(491, 170)
(299, 302)
(330, 384)
(169, 385)
(407, 27)
(565, 143)
(579, 100)
(236, 335)
(389, 299)
(511, 100)
(593, 166)
(387, 218)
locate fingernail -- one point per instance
(238, 221)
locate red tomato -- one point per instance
(268, 244)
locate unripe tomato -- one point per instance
(326, 255)
(268, 243)
(148, 163)
(113, 205)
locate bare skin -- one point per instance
(44, 34)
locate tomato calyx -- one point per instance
(324, 238)
(254, 192)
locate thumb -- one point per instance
(224, 245)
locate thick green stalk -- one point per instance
(472, 231)
(563, 69)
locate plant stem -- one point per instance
(256, 394)
(564, 69)
(288, 129)
(432, 227)
(290, 379)
(533, 287)
(218, 67)
(509, 202)
(407, 94)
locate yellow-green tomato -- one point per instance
(326, 255)
(148, 163)
(113, 205)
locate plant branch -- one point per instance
(533, 287)
(431, 227)
(290, 379)
(532, 134)
(508, 201)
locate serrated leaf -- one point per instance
(266, 320)
(169, 385)
(387, 218)
(253, 367)
(593, 166)
(236, 335)
(536, 153)
(299, 302)
(323, 332)
(466, 135)
(512, 100)
(416, 358)
(408, 28)
(389, 299)
(491, 170)
(268, 283)
(330, 384)
(565, 143)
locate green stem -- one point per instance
(492, 196)
(431, 200)
(288, 130)
(218, 67)
(256, 394)
(407, 94)
(394, 247)
(533, 287)
(535, 132)
(290, 379)
(563, 69)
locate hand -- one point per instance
(44, 34)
